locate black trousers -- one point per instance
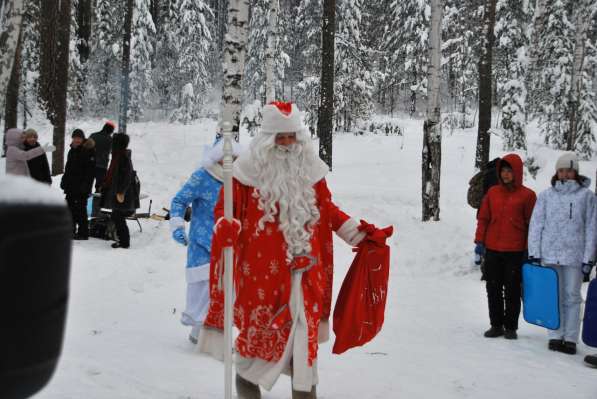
(503, 273)
(122, 230)
(78, 210)
(100, 175)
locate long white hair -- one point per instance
(283, 186)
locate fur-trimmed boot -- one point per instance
(246, 389)
(305, 395)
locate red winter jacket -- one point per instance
(505, 213)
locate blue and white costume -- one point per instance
(201, 191)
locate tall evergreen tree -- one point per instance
(141, 84)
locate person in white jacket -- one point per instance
(562, 236)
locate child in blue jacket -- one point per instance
(201, 191)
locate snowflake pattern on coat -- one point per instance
(262, 277)
(201, 192)
(562, 229)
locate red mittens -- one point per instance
(226, 232)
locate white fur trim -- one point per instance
(275, 121)
(323, 332)
(350, 233)
(245, 171)
(214, 154)
(211, 342)
(216, 171)
(176, 223)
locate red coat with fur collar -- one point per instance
(262, 277)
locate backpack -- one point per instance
(102, 227)
(481, 182)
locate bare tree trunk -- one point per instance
(12, 92)
(272, 39)
(325, 120)
(432, 132)
(125, 68)
(84, 19)
(11, 15)
(54, 56)
(582, 24)
(235, 45)
(485, 83)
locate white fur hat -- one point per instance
(567, 160)
(215, 153)
(280, 117)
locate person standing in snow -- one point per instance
(39, 168)
(77, 181)
(17, 156)
(501, 236)
(201, 190)
(103, 146)
(119, 191)
(282, 237)
(562, 236)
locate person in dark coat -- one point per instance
(501, 236)
(77, 181)
(39, 168)
(119, 191)
(103, 146)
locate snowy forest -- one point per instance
(543, 64)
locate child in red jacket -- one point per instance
(502, 228)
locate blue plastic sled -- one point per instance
(89, 206)
(589, 331)
(540, 292)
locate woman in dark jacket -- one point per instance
(39, 168)
(119, 188)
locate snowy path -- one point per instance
(124, 339)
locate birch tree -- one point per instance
(432, 133)
(272, 38)
(235, 43)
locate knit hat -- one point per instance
(567, 160)
(78, 133)
(30, 133)
(281, 117)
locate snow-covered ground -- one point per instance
(124, 339)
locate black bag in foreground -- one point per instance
(35, 248)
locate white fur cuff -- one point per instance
(176, 223)
(211, 342)
(350, 233)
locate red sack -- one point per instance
(359, 310)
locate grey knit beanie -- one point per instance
(567, 160)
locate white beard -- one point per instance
(283, 184)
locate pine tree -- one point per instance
(406, 45)
(256, 54)
(512, 18)
(103, 83)
(30, 57)
(354, 78)
(76, 73)
(555, 62)
(193, 55)
(141, 54)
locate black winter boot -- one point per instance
(555, 344)
(568, 348)
(510, 334)
(494, 332)
(305, 395)
(246, 389)
(591, 360)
